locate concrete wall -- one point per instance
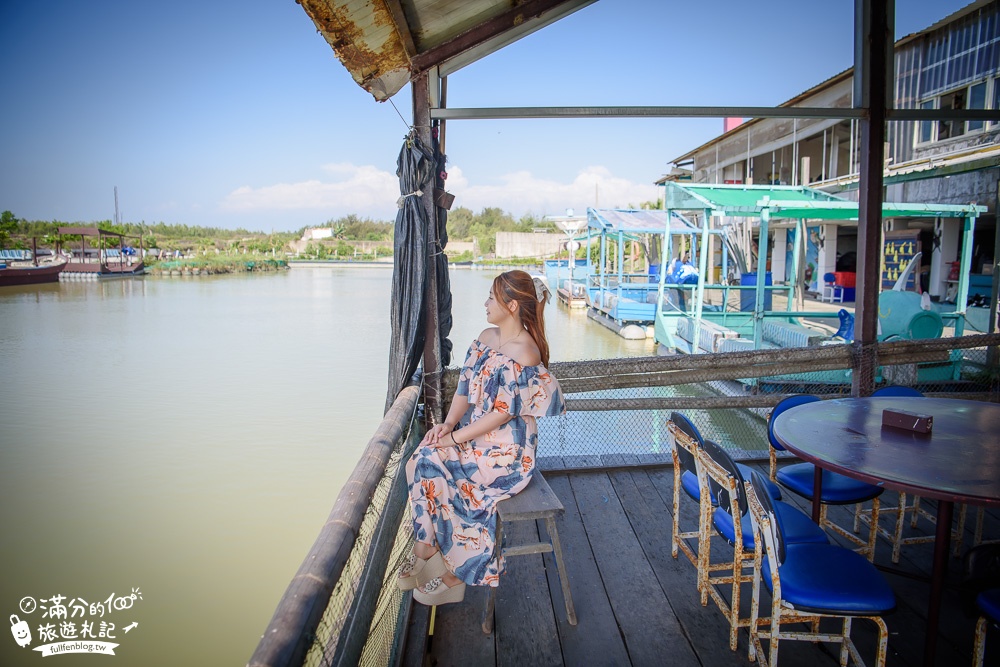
(522, 244)
(458, 247)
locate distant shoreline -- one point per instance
(331, 263)
(321, 263)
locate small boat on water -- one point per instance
(107, 257)
(572, 294)
(30, 275)
(20, 267)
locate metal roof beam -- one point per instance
(943, 114)
(840, 113)
(644, 112)
(493, 28)
(402, 27)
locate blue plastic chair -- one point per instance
(981, 586)
(684, 452)
(846, 330)
(732, 523)
(836, 489)
(895, 390)
(689, 478)
(687, 449)
(831, 290)
(809, 582)
(988, 603)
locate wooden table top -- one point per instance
(959, 460)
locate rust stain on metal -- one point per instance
(351, 42)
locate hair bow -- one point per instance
(542, 292)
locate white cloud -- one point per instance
(367, 191)
(363, 190)
(523, 192)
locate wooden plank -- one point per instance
(582, 462)
(638, 602)
(415, 645)
(546, 463)
(649, 515)
(458, 634)
(535, 501)
(525, 626)
(655, 459)
(595, 640)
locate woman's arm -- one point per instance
(459, 406)
(481, 426)
(434, 435)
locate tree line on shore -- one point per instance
(463, 225)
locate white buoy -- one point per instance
(632, 332)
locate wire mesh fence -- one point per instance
(621, 406)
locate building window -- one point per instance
(996, 98)
(947, 129)
(977, 100)
(927, 126)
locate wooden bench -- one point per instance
(536, 501)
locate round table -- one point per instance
(959, 461)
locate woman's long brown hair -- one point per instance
(519, 286)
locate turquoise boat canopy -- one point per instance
(631, 221)
(795, 202)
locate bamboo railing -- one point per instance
(290, 633)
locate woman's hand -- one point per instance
(438, 436)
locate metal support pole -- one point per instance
(761, 291)
(872, 18)
(432, 340)
(961, 301)
(702, 270)
(993, 353)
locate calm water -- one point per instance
(188, 437)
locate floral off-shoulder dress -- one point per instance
(454, 491)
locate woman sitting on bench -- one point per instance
(484, 452)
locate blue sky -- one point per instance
(238, 114)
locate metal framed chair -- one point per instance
(810, 582)
(980, 593)
(832, 292)
(684, 451)
(686, 443)
(836, 489)
(988, 603)
(721, 476)
(685, 440)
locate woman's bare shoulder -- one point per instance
(489, 336)
(525, 352)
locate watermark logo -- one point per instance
(65, 625)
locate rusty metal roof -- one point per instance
(384, 43)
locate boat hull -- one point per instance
(32, 275)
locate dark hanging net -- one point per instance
(415, 168)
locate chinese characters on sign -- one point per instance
(73, 625)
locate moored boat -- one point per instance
(30, 275)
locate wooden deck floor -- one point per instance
(637, 605)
